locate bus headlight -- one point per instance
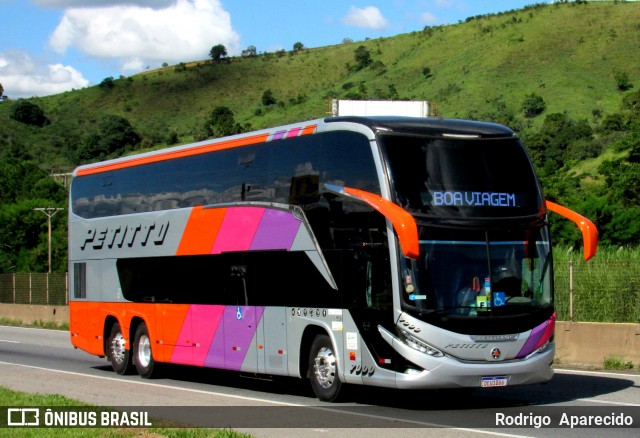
(419, 345)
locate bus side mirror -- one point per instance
(588, 229)
(403, 223)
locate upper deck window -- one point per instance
(289, 171)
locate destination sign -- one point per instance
(473, 199)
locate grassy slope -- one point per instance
(567, 54)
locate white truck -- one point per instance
(409, 108)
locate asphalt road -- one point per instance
(43, 361)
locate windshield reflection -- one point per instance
(497, 273)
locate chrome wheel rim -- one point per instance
(144, 351)
(324, 367)
(118, 349)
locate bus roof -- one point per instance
(430, 126)
(412, 125)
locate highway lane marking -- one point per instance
(112, 379)
(197, 391)
(605, 374)
(10, 342)
(606, 402)
(596, 373)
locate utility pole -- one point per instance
(50, 212)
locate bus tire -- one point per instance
(117, 351)
(323, 369)
(142, 354)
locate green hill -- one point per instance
(576, 61)
(569, 54)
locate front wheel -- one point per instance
(323, 369)
(117, 351)
(142, 354)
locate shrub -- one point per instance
(29, 114)
(267, 98)
(622, 81)
(533, 105)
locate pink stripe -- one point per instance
(237, 230)
(204, 324)
(293, 133)
(182, 351)
(278, 135)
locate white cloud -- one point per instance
(369, 17)
(428, 17)
(138, 35)
(101, 3)
(444, 3)
(21, 76)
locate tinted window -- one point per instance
(462, 177)
(289, 171)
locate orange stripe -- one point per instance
(87, 324)
(310, 129)
(211, 147)
(201, 231)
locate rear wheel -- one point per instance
(117, 351)
(142, 354)
(323, 369)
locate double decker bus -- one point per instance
(388, 251)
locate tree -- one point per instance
(267, 98)
(29, 114)
(250, 51)
(113, 136)
(622, 81)
(2, 96)
(298, 46)
(631, 102)
(107, 83)
(222, 123)
(217, 52)
(533, 105)
(362, 57)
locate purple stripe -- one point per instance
(534, 337)
(278, 135)
(231, 344)
(276, 230)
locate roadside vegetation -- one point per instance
(51, 325)
(606, 288)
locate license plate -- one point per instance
(493, 382)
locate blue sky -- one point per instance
(51, 46)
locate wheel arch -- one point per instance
(109, 322)
(309, 334)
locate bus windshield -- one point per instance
(477, 274)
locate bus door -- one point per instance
(375, 307)
(240, 343)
